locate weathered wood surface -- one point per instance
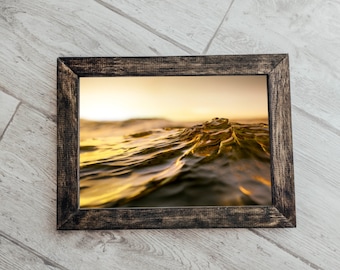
(25, 257)
(34, 33)
(276, 68)
(7, 110)
(174, 66)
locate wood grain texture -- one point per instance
(34, 33)
(173, 65)
(190, 24)
(15, 255)
(308, 30)
(67, 151)
(281, 214)
(28, 215)
(281, 142)
(23, 259)
(8, 106)
(310, 38)
(317, 236)
(48, 30)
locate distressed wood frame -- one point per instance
(280, 214)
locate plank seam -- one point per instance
(146, 27)
(45, 260)
(318, 120)
(218, 28)
(309, 263)
(10, 120)
(49, 116)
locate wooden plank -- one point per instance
(13, 256)
(28, 213)
(191, 24)
(282, 172)
(37, 32)
(302, 31)
(48, 30)
(308, 31)
(317, 188)
(174, 65)
(170, 218)
(67, 150)
(8, 105)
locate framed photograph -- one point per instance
(174, 142)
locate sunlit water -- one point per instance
(158, 163)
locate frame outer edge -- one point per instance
(67, 143)
(282, 150)
(281, 214)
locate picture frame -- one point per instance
(280, 214)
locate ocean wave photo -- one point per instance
(161, 163)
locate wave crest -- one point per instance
(229, 160)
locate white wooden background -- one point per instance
(34, 33)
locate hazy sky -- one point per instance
(189, 98)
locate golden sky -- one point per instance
(189, 98)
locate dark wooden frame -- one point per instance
(280, 214)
